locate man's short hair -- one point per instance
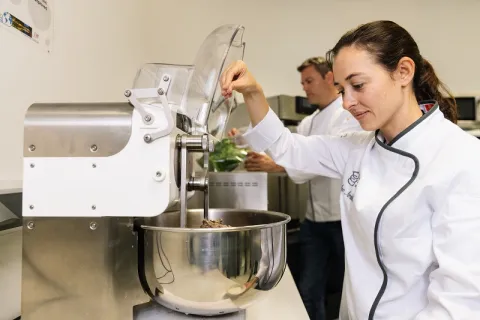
(320, 64)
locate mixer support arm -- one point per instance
(189, 143)
(161, 92)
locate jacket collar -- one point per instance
(406, 139)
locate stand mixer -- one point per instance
(102, 235)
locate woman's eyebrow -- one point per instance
(350, 76)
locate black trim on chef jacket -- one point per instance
(413, 125)
(398, 193)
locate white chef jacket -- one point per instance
(324, 192)
(410, 213)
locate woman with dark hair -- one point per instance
(410, 199)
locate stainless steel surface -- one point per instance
(10, 211)
(77, 129)
(206, 201)
(198, 271)
(200, 183)
(176, 161)
(181, 143)
(284, 107)
(197, 143)
(10, 272)
(286, 196)
(10, 248)
(245, 190)
(79, 268)
(468, 108)
(187, 145)
(73, 272)
(256, 190)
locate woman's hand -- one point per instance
(233, 132)
(237, 77)
(261, 162)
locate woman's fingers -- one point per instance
(229, 78)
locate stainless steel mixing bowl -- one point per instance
(214, 271)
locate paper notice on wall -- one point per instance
(32, 19)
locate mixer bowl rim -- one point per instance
(286, 219)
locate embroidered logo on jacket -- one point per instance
(353, 182)
(354, 178)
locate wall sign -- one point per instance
(29, 18)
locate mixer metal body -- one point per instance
(100, 237)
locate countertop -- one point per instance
(282, 303)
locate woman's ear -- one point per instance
(405, 71)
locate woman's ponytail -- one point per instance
(428, 87)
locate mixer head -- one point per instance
(109, 159)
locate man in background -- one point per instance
(322, 248)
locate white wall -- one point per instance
(97, 49)
(99, 45)
(280, 34)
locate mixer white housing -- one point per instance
(125, 165)
(138, 180)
